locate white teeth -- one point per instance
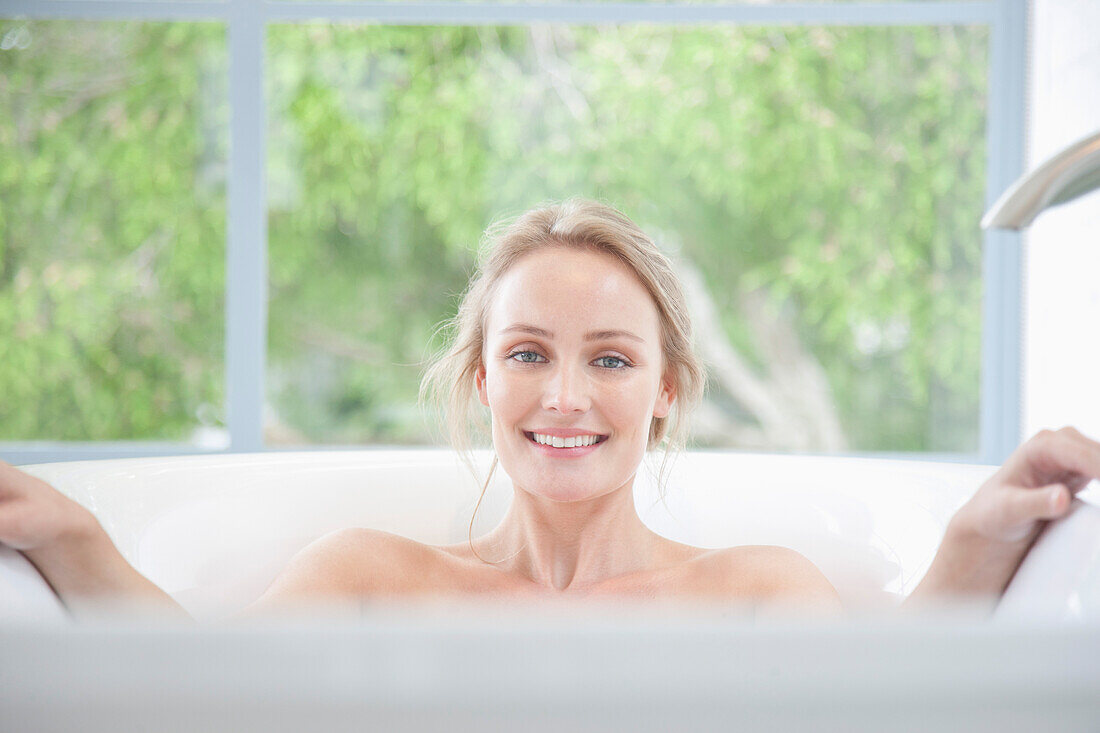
(575, 442)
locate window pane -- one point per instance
(821, 188)
(112, 229)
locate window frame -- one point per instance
(246, 256)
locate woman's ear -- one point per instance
(666, 396)
(479, 380)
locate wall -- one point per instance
(1061, 362)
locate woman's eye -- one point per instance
(527, 357)
(612, 362)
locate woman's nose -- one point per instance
(566, 391)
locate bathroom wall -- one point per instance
(1061, 361)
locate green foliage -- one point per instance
(112, 229)
(838, 169)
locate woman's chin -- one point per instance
(566, 491)
(563, 497)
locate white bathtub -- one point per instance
(214, 530)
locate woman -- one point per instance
(575, 337)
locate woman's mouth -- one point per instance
(572, 445)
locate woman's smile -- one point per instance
(564, 443)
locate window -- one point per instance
(818, 172)
(112, 229)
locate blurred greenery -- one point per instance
(112, 229)
(837, 172)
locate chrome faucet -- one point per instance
(1070, 173)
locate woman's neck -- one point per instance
(571, 546)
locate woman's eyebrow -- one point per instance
(590, 336)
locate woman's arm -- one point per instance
(961, 572)
(70, 549)
(988, 538)
(86, 570)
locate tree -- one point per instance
(824, 184)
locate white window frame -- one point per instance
(246, 266)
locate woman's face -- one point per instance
(572, 356)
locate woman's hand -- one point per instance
(1035, 485)
(34, 515)
(70, 549)
(991, 534)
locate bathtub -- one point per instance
(214, 530)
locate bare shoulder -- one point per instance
(774, 575)
(346, 564)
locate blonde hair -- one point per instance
(579, 223)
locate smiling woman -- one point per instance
(574, 340)
(574, 326)
(574, 334)
(607, 387)
(574, 228)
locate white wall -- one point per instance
(1062, 272)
